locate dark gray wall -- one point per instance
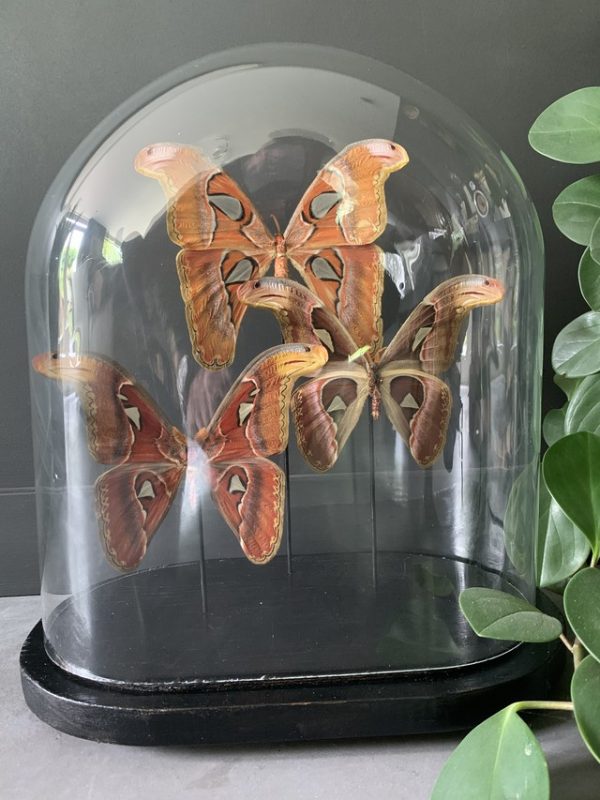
(64, 65)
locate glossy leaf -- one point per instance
(585, 693)
(576, 351)
(498, 615)
(518, 518)
(582, 607)
(595, 243)
(569, 129)
(589, 280)
(577, 209)
(567, 385)
(553, 426)
(583, 411)
(561, 548)
(500, 758)
(571, 470)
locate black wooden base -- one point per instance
(334, 708)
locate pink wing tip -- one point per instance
(47, 364)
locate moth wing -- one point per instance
(345, 204)
(430, 335)
(349, 283)
(131, 502)
(251, 497)
(224, 243)
(206, 209)
(123, 423)
(209, 282)
(124, 427)
(418, 405)
(253, 417)
(326, 410)
(302, 315)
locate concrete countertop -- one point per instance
(36, 761)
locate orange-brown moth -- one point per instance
(329, 240)
(403, 376)
(126, 429)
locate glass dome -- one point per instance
(282, 235)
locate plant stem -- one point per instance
(566, 643)
(555, 705)
(579, 653)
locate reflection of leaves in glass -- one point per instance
(518, 519)
(561, 547)
(500, 758)
(424, 627)
(435, 581)
(111, 251)
(413, 627)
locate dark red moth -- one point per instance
(126, 429)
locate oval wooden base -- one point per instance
(415, 702)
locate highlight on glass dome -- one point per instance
(359, 262)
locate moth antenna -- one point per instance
(276, 222)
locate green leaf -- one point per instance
(498, 615)
(583, 411)
(585, 693)
(582, 602)
(517, 519)
(569, 129)
(595, 243)
(571, 470)
(576, 350)
(577, 209)
(589, 280)
(561, 548)
(567, 385)
(436, 581)
(500, 758)
(553, 426)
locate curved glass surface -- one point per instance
(375, 550)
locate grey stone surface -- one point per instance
(38, 762)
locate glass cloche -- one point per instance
(285, 312)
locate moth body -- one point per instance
(280, 256)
